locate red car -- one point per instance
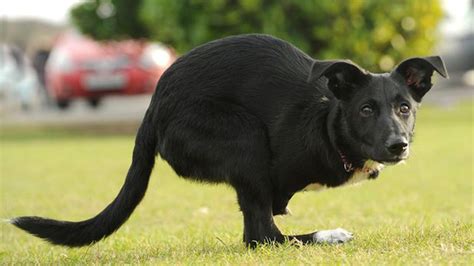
(79, 67)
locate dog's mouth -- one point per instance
(392, 161)
(388, 159)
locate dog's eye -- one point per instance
(366, 110)
(404, 108)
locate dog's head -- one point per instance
(377, 111)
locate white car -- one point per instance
(19, 84)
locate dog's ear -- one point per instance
(417, 71)
(343, 76)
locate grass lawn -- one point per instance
(417, 213)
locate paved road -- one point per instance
(130, 110)
(113, 109)
(449, 96)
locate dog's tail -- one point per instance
(75, 234)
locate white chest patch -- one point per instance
(358, 176)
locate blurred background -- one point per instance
(72, 62)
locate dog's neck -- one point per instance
(348, 162)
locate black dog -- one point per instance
(257, 113)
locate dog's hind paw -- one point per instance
(335, 236)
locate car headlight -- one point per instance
(59, 60)
(155, 55)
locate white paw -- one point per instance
(334, 236)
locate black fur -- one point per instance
(257, 113)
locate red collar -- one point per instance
(348, 167)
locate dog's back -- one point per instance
(259, 72)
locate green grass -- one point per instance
(417, 213)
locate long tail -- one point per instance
(76, 234)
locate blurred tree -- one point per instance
(109, 19)
(374, 33)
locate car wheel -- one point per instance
(94, 102)
(25, 107)
(62, 104)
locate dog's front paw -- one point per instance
(335, 236)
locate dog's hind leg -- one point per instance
(256, 205)
(216, 141)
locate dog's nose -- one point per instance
(397, 146)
